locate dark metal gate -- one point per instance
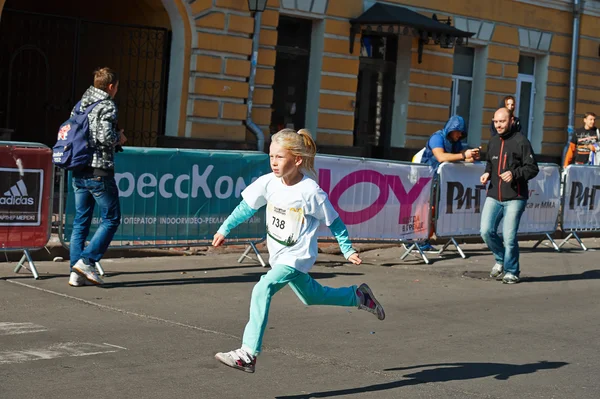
(46, 63)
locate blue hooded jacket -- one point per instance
(440, 140)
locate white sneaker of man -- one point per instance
(75, 280)
(88, 272)
(497, 271)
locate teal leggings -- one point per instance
(306, 288)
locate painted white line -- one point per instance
(114, 346)
(127, 312)
(7, 328)
(68, 349)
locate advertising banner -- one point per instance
(21, 201)
(462, 197)
(581, 210)
(26, 178)
(543, 206)
(377, 199)
(174, 194)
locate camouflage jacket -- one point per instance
(103, 128)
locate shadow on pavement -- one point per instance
(441, 372)
(587, 275)
(208, 269)
(245, 278)
(111, 273)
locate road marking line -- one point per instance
(67, 349)
(8, 328)
(115, 346)
(140, 315)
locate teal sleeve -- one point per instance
(340, 232)
(239, 215)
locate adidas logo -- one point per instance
(17, 195)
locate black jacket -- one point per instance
(511, 151)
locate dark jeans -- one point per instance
(90, 191)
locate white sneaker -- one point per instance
(238, 359)
(510, 278)
(75, 280)
(497, 270)
(88, 272)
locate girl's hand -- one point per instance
(354, 258)
(218, 240)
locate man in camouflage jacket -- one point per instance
(95, 184)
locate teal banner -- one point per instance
(173, 194)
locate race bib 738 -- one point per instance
(283, 225)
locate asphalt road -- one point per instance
(450, 332)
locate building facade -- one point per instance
(379, 91)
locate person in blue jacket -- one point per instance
(446, 146)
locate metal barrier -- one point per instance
(460, 199)
(176, 198)
(580, 210)
(379, 201)
(27, 189)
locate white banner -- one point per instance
(543, 206)
(462, 197)
(581, 210)
(377, 199)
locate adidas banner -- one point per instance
(21, 196)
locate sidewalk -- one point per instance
(54, 248)
(377, 254)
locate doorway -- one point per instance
(375, 95)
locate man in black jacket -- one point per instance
(510, 165)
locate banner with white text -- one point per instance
(176, 194)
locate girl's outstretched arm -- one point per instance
(340, 232)
(239, 215)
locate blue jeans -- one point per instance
(90, 191)
(506, 250)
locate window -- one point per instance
(462, 82)
(525, 93)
